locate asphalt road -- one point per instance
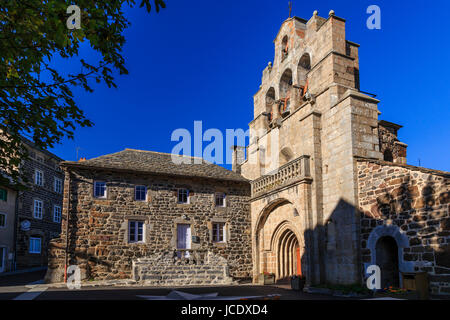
(17, 287)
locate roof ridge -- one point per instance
(170, 154)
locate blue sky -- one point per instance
(202, 60)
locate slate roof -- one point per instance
(156, 163)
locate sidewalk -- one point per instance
(5, 274)
(22, 277)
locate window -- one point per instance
(35, 245)
(135, 231)
(3, 194)
(140, 193)
(219, 232)
(57, 214)
(38, 177)
(58, 185)
(183, 196)
(38, 209)
(2, 220)
(99, 189)
(220, 199)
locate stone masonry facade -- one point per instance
(410, 204)
(312, 132)
(43, 226)
(98, 228)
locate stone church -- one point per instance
(322, 190)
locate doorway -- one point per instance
(387, 260)
(288, 258)
(2, 258)
(183, 239)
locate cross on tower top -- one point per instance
(290, 8)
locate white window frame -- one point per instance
(145, 193)
(224, 204)
(41, 207)
(60, 184)
(95, 188)
(224, 232)
(58, 220)
(38, 182)
(32, 250)
(4, 220)
(136, 224)
(187, 195)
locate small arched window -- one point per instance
(387, 155)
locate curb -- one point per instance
(127, 283)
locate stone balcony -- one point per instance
(289, 173)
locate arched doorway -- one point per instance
(387, 260)
(288, 256)
(278, 244)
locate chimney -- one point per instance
(238, 158)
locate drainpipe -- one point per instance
(67, 226)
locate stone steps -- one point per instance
(164, 269)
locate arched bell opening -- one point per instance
(285, 92)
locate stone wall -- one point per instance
(411, 205)
(98, 228)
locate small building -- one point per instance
(144, 215)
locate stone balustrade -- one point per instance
(290, 172)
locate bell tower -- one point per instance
(310, 122)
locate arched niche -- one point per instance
(286, 155)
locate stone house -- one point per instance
(39, 207)
(30, 215)
(140, 214)
(330, 189)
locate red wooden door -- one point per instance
(299, 263)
